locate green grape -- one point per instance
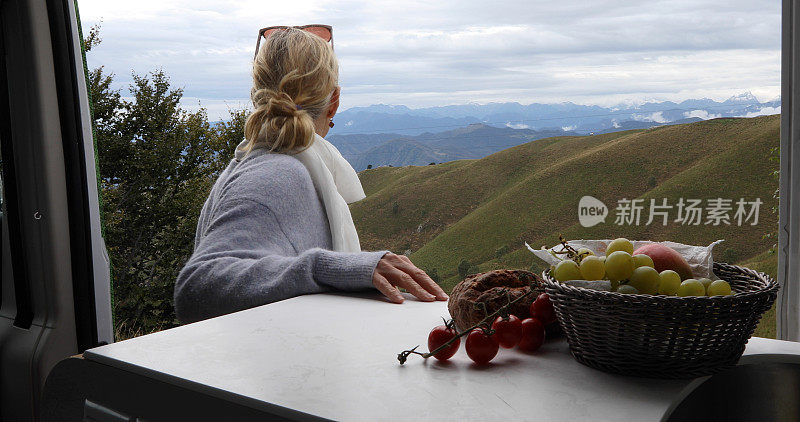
(619, 265)
(620, 244)
(646, 280)
(642, 260)
(670, 281)
(567, 270)
(691, 287)
(627, 289)
(584, 252)
(719, 288)
(705, 282)
(592, 268)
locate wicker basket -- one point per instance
(662, 336)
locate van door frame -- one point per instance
(788, 303)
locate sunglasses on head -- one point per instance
(323, 31)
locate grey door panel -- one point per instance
(56, 295)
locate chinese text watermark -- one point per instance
(685, 211)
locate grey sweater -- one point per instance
(263, 236)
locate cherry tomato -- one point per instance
(507, 332)
(542, 309)
(439, 336)
(532, 335)
(480, 347)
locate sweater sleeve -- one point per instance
(246, 260)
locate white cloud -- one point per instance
(422, 53)
(615, 124)
(568, 128)
(766, 111)
(703, 114)
(517, 125)
(657, 117)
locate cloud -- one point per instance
(765, 111)
(703, 114)
(517, 125)
(657, 117)
(568, 128)
(422, 53)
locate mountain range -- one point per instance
(396, 135)
(476, 140)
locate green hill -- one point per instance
(483, 210)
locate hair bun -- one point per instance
(292, 68)
(281, 105)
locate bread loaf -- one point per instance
(489, 288)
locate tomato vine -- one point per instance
(483, 324)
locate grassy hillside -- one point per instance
(767, 263)
(470, 209)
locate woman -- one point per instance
(276, 223)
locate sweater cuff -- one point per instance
(347, 270)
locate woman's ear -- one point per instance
(334, 103)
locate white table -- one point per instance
(335, 356)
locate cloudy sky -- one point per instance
(424, 53)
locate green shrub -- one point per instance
(463, 268)
(730, 256)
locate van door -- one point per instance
(55, 296)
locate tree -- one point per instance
(93, 39)
(775, 155)
(157, 163)
(369, 166)
(464, 268)
(730, 256)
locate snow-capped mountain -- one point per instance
(402, 120)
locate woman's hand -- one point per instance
(397, 270)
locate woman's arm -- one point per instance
(246, 260)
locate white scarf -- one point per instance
(337, 185)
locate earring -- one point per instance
(330, 123)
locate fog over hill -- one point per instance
(381, 135)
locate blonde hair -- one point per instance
(294, 74)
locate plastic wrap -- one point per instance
(700, 258)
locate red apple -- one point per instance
(666, 258)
